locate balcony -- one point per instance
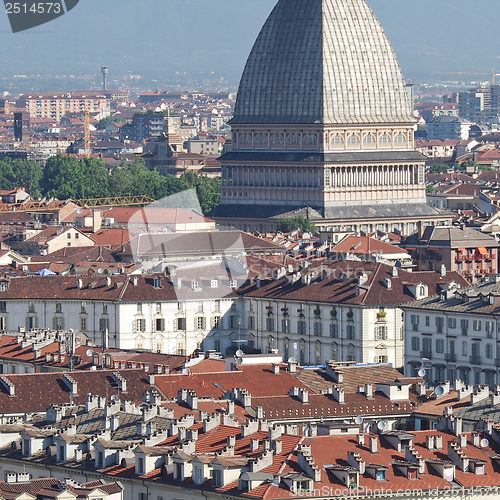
(426, 354)
(452, 358)
(475, 359)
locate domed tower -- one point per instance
(323, 123)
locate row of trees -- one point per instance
(65, 177)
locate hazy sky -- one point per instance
(165, 36)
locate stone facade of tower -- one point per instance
(323, 123)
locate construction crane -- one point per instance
(86, 125)
(51, 205)
(468, 73)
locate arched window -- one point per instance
(271, 343)
(245, 139)
(337, 140)
(293, 139)
(277, 139)
(310, 139)
(261, 139)
(369, 140)
(385, 139)
(400, 139)
(350, 352)
(353, 139)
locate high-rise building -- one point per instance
(323, 126)
(22, 127)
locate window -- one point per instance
(464, 325)
(489, 351)
(233, 284)
(3, 307)
(427, 321)
(158, 307)
(31, 322)
(181, 324)
(334, 330)
(415, 344)
(301, 327)
(4, 286)
(465, 348)
(140, 325)
(218, 481)
(141, 470)
(217, 345)
(58, 323)
(317, 352)
(369, 139)
(490, 327)
(214, 284)
(414, 319)
(77, 236)
(3, 323)
(83, 324)
(105, 309)
(335, 352)
(337, 140)
(350, 353)
(251, 322)
(385, 139)
(68, 235)
(476, 325)
(400, 139)
(216, 322)
(234, 321)
(200, 323)
(353, 139)
(382, 359)
(160, 325)
(58, 308)
(285, 325)
(440, 346)
(350, 332)
(452, 323)
(103, 324)
(381, 333)
(439, 324)
(270, 324)
(317, 328)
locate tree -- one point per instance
(438, 168)
(429, 189)
(105, 122)
(298, 222)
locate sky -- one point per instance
(162, 37)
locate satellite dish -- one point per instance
(484, 443)
(100, 270)
(185, 371)
(421, 372)
(114, 398)
(79, 211)
(238, 361)
(358, 420)
(90, 353)
(239, 353)
(381, 426)
(292, 360)
(439, 391)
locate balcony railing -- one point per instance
(452, 358)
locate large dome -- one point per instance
(322, 61)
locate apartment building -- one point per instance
(455, 335)
(55, 106)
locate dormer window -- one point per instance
(195, 285)
(381, 475)
(4, 286)
(214, 284)
(422, 292)
(157, 283)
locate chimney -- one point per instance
(277, 446)
(254, 445)
(96, 220)
(374, 444)
(442, 271)
(476, 439)
(388, 283)
(369, 391)
(361, 440)
(230, 407)
(430, 443)
(438, 442)
(108, 281)
(292, 366)
(304, 396)
(259, 412)
(276, 369)
(463, 441)
(231, 441)
(80, 284)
